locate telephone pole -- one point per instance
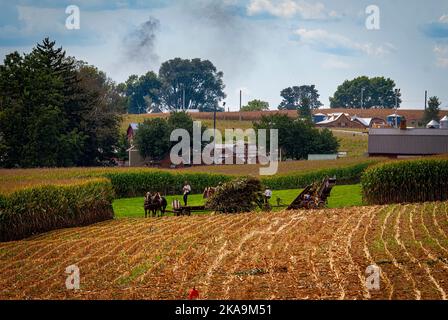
(241, 102)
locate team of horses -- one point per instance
(155, 203)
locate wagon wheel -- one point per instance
(311, 205)
(321, 205)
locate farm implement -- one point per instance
(314, 196)
(180, 210)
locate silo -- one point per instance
(394, 120)
(444, 123)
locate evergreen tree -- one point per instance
(432, 112)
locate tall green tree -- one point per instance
(293, 96)
(298, 138)
(305, 109)
(42, 108)
(143, 93)
(432, 111)
(197, 80)
(153, 139)
(101, 123)
(54, 111)
(256, 105)
(377, 92)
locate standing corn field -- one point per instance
(406, 181)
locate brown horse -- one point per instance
(208, 192)
(153, 204)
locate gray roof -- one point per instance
(408, 142)
(407, 132)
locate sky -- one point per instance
(262, 46)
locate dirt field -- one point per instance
(286, 255)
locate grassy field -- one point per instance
(355, 145)
(341, 196)
(319, 254)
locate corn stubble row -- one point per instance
(287, 255)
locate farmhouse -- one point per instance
(408, 142)
(340, 120)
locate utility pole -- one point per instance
(397, 93)
(183, 99)
(362, 98)
(241, 101)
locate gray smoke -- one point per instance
(231, 41)
(140, 45)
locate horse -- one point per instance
(208, 192)
(155, 203)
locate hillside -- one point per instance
(286, 255)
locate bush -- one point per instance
(406, 182)
(345, 175)
(138, 183)
(239, 195)
(44, 208)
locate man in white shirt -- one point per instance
(267, 195)
(186, 190)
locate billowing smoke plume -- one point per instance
(231, 41)
(140, 44)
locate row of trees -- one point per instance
(297, 137)
(196, 84)
(56, 111)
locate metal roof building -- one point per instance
(410, 142)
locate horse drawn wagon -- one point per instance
(314, 196)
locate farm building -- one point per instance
(433, 125)
(410, 142)
(339, 120)
(369, 122)
(394, 120)
(444, 123)
(132, 129)
(319, 117)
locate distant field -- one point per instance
(15, 179)
(284, 168)
(341, 196)
(354, 144)
(321, 254)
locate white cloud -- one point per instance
(332, 43)
(290, 8)
(441, 52)
(333, 64)
(444, 18)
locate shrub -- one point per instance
(239, 195)
(406, 182)
(40, 209)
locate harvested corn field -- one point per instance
(288, 255)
